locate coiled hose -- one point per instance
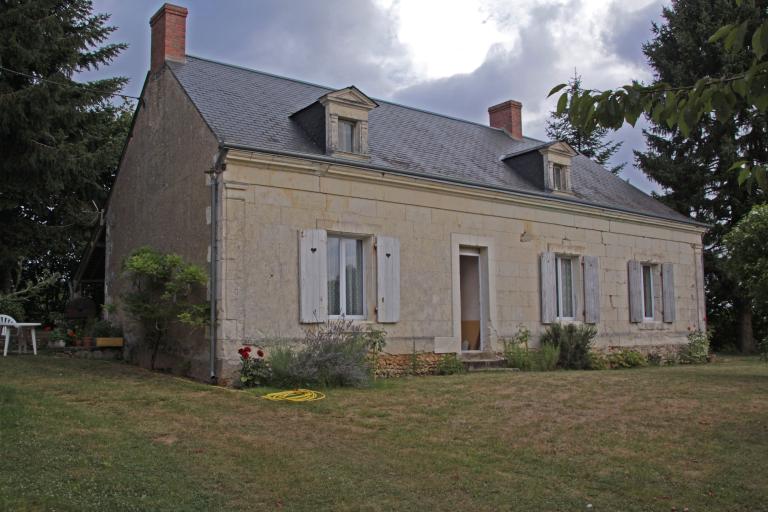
(295, 395)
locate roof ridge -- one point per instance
(330, 89)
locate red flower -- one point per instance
(244, 352)
(260, 353)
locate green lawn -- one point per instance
(90, 435)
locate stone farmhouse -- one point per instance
(307, 203)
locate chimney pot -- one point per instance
(508, 115)
(169, 31)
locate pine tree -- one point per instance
(589, 142)
(59, 140)
(694, 170)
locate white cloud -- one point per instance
(446, 38)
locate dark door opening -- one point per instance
(471, 310)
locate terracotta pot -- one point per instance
(78, 342)
(87, 341)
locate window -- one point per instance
(565, 290)
(346, 136)
(345, 277)
(558, 177)
(648, 292)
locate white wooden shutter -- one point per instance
(548, 174)
(313, 276)
(591, 290)
(668, 291)
(548, 288)
(388, 279)
(635, 281)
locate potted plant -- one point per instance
(58, 337)
(107, 334)
(73, 337)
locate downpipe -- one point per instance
(219, 166)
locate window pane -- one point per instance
(567, 287)
(353, 252)
(557, 172)
(334, 303)
(346, 132)
(647, 292)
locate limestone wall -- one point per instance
(268, 199)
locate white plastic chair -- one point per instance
(6, 322)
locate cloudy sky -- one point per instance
(449, 56)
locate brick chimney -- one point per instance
(169, 31)
(508, 115)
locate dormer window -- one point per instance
(557, 157)
(338, 123)
(346, 136)
(547, 166)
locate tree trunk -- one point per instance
(746, 335)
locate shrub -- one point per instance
(12, 306)
(282, 365)
(449, 364)
(516, 351)
(333, 354)
(697, 349)
(546, 358)
(574, 342)
(165, 290)
(598, 361)
(105, 329)
(626, 358)
(517, 356)
(377, 340)
(655, 359)
(255, 370)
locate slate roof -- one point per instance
(251, 109)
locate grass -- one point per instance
(90, 435)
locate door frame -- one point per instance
(486, 248)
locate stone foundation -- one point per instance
(401, 365)
(665, 353)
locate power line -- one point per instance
(71, 84)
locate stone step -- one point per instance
(478, 362)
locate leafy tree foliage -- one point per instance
(694, 162)
(165, 290)
(739, 39)
(590, 141)
(59, 140)
(747, 246)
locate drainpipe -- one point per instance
(218, 167)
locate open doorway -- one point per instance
(470, 280)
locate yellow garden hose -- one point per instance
(295, 395)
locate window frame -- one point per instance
(559, 287)
(650, 268)
(558, 177)
(353, 127)
(343, 278)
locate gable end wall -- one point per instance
(161, 199)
